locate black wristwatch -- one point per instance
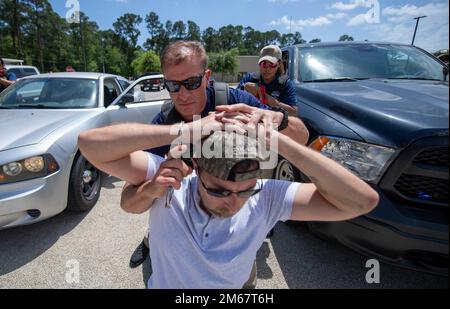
(284, 123)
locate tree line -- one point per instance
(31, 30)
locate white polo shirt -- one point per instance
(191, 249)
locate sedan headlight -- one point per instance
(29, 168)
(365, 160)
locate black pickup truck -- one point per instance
(382, 111)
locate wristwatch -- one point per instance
(284, 123)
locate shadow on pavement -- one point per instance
(264, 270)
(110, 182)
(21, 245)
(309, 262)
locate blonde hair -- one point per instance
(179, 51)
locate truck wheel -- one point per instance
(285, 171)
(84, 185)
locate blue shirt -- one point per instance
(11, 76)
(235, 97)
(288, 96)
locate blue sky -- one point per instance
(382, 21)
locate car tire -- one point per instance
(84, 185)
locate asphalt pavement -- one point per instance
(92, 250)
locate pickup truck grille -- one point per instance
(436, 157)
(423, 188)
(419, 176)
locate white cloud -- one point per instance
(300, 24)
(398, 25)
(398, 14)
(122, 1)
(357, 20)
(341, 6)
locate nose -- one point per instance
(233, 199)
(183, 94)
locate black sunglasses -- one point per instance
(222, 193)
(190, 83)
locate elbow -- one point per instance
(83, 138)
(371, 201)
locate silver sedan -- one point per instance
(41, 169)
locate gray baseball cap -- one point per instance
(223, 150)
(270, 53)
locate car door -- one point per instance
(135, 105)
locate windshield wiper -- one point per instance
(37, 106)
(335, 79)
(414, 78)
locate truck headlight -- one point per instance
(29, 168)
(366, 161)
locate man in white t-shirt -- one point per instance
(220, 212)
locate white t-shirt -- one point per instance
(191, 249)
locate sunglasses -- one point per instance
(190, 83)
(269, 64)
(222, 193)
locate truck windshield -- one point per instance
(367, 61)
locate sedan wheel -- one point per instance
(84, 186)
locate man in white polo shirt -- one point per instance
(207, 235)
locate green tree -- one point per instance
(210, 39)
(126, 28)
(146, 62)
(193, 33)
(179, 30)
(346, 37)
(315, 41)
(224, 62)
(154, 28)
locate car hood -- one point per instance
(384, 112)
(20, 128)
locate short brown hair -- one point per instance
(179, 51)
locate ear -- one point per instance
(208, 74)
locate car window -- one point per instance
(412, 63)
(124, 84)
(367, 61)
(18, 72)
(61, 93)
(110, 91)
(29, 72)
(147, 91)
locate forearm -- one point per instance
(336, 184)
(115, 142)
(6, 82)
(137, 199)
(296, 130)
(271, 101)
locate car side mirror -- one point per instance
(127, 98)
(445, 71)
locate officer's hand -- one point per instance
(253, 89)
(249, 116)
